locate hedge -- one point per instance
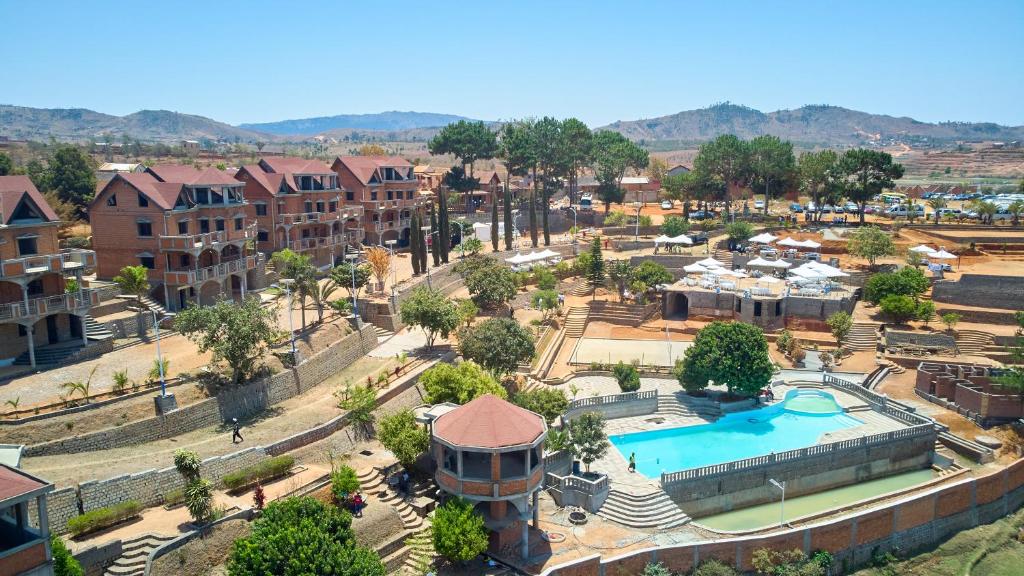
(266, 470)
(101, 518)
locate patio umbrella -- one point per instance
(922, 249)
(711, 263)
(764, 238)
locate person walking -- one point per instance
(236, 434)
(632, 461)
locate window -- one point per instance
(112, 200)
(185, 260)
(757, 308)
(182, 226)
(450, 460)
(390, 195)
(778, 307)
(238, 223)
(305, 232)
(349, 195)
(320, 206)
(220, 224)
(204, 225)
(739, 305)
(476, 465)
(143, 201)
(145, 229)
(307, 206)
(332, 206)
(35, 288)
(373, 195)
(27, 246)
(147, 262)
(263, 236)
(202, 195)
(261, 209)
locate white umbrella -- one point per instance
(764, 238)
(694, 268)
(922, 249)
(941, 255)
(711, 263)
(681, 239)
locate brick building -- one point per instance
(298, 204)
(387, 189)
(37, 309)
(24, 537)
(189, 227)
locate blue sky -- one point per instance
(601, 61)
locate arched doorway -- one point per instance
(677, 306)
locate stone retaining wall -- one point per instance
(908, 524)
(616, 405)
(1004, 292)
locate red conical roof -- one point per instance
(489, 422)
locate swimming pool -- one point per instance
(796, 422)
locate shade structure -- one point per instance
(663, 239)
(764, 238)
(759, 262)
(681, 239)
(922, 249)
(769, 280)
(799, 243)
(735, 273)
(710, 263)
(694, 268)
(941, 255)
(517, 259)
(808, 273)
(787, 241)
(548, 253)
(810, 244)
(825, 269)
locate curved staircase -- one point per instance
(134, 552)
(648, 510)
(676, 405)
(974, 342)
(862, 336)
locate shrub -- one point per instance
(950, 319)
(266, 470)
(714, 567)
(674, 226)
(187, 463)
(64, 564)
(174, 497)
(548, 402)
(121, 382)
(545, 279)
(899, 308)
(199, 500)
(616, 218)
(784, 341)
(459, 532)
(101, 518)
(343, 482)
(655, 570)
(406, 439)
(627, 377)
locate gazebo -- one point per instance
(491, 452)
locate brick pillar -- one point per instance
(498, 509)
(495, 467)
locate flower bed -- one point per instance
(267, 470)
(101, 518)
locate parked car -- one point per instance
(699, 239)
(811, 207)
(873, 209)
(666, 204)
(827, 209)
(702, 215)
(901, 210)
(758, 204)
(796, 207)
(852, 207)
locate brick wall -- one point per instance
(1005, 292)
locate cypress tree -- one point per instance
(494, 221)
(435, 241)
(445, 229)
(508, 215)
(414, 242)
(423, 246)
(533, 211)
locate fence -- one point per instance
(880, 403)
(595, 401)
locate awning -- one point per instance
(694, 268)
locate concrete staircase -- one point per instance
(49, 355)
(617, 313)
(96, 331)
(673, 405)
(421, 552)
(134, 552)
(649, 510)
(580, 288)
(154, 306)
(974, 342)
(372, 483)
(576, 321)
(862, 336)
(723, 256)
(382, 333)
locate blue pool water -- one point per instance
(796, 422)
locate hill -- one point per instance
(79, 124)
(811, 125)
(383, 122)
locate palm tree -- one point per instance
(79, 386)
(937, 204)
(1016, 208)
(134, 281)
(986, 210)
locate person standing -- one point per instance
(632, 461)
(236, 434)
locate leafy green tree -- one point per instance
(467, 311)
(739, 232)
(950, 319)
(473, 245)
(547, 141)
(492, 287)
(898, 307)
(772, 166)
(907, 281)
(72, 176)
(238, 334)
(342, 275)
(545, 279)
(731, 353)
(867, 173)
(517, 152)
(343, 482)
(589, 442)
(840, 323)
(188, 464)
(651, 273)
(820, 177)
(302, 537)
(300, 269)
(627, 377)
(64, 563)
(406, 439)
(360, 402)
(870, 242)
(459, 383)
(199, 500)
(674, 226)
(595, 271)
(467, 141)
(620, 272)
(727, 159)
(614, 154)
(1016, 209)
(414, 242)
(544, 300)
(713, 567)
(576, 145)
(6, 165)
(134, 281)
(925, 311)
(432, 311)
(936, 204)
(548, 402)
(459, 531)
(497, 344)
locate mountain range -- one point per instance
(809, 125)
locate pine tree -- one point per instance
(595, 275)
(533, 211)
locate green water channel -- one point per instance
(764, 515)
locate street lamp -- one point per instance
(352, 261)
(426, 230)
(782, 508)
(287, 283)
(159, 361)
(636, 239)
(462, 235)
(574, 230)
(394, 272)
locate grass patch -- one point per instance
(174, 497)
(101, 518)
(266, 470)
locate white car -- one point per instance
(758, 204)
(666, 204)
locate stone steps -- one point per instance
(96, 331)
(576, 321)
(862, 336)
(132, 561)
(650, 510)
(421, 552)
(47, 355)
(382, 333)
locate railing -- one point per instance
(612, 399)
(317, 242)
(203, 241)
(878, 402)
(583, 485)
(820, 449)
(73, 303)
(305, 218)
(67, 259)
(215, 272)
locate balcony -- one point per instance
(200, 242)
(305, 244)
(215, 272)
(67, 260)
(305, 218)
(72, 303)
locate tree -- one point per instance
(548, 402)
(343, 273)
(72, 177)
(789, 563)
(238, 334)
(870, 242)
(1016, 209)
(414, 239)
(545, 279)
(985, 209)
(713, 567)
(406, 439)
(627, 377)
(199, 500)
(473, 245)
(907, 281)
(652, 569)
(134, 281)
(576, 145)
(467, 311)
(371, 150)
(734, 354)
(772, 166)
(430, 310)
(344, 481)
(546, 140)
(613, 154)
(302, 537)
(867, 173)
(6, 165)
(435, 244)
(467, 141)
(950, 319)
(899, 308)
(925, 311)
(657, 169)
(300, 270)
(360, 402)
(459, 531)
(589, 442)
(459, 383)
(840, 324)
(651, 273)
(519, 156)
(820, 177)
(673, 226)
(492, 287)
(595, 270)
(726, 158)
(738, 232)
(937, 204)
(497, 344)
(379, 260)
(64, 563)
(620, 272)
(544, 300)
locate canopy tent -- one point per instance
(922, 249)
(799, 243)
(764, 238)
(735, 273)
(810, 244)
(779, 264)
(710, 263)
(681, 239)
(825, 269)
(769, 280)
(760, 262)
(807, 273)
(694, 268)
(788, 241)
(518, 259)
(661, 239)
(548, 253)
(941, 255)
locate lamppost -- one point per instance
(574, 230)
(287, 283)
(394, 272)
(462, 236)
(636, 238)
(782, 508)
(353, 260)
(428, 234)
(159, 361)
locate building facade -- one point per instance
(387, 189)
(298, 204)
(189, 227)
(24, 541)
(39, 306)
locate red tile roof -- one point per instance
(13, 188)
(14, 483)
(292, 165)
(165, 194)
(364, 166)
(191, 175)
(489, 422)
(270, 181)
